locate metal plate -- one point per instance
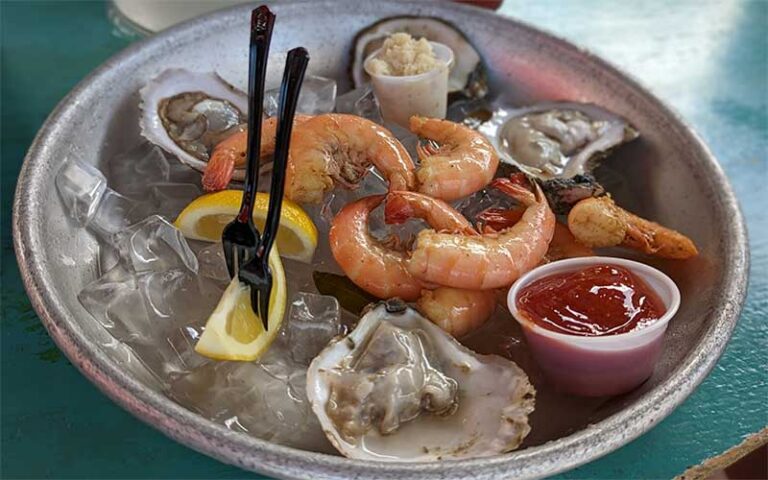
(670, 176)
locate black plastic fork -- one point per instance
(240, 238)
(256, 272)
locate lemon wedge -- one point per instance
(206, 216)
(234, 331)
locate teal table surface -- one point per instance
(708, 59)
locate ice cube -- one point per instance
(154, 245)
(318, 95)
(313, 320)
(212, 264)
(406, 137)
(361, 102)
(81, 187)
(179, 294)
(134, 171)
(248, 397)
(158, 315)
(169, 199)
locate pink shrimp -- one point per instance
(369, 263)
(563, 244)
(338, 148)
(455, 310)
(463, 162)
(380, 269)
(490, 260)
(230, 153)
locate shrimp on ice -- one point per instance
(371, 264)
(463, 161)
(230, 152)
(599, 222)
(379, 269)
(563, 244)
(455, 310)
(338, 148)
(490, 260)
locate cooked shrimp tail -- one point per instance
(599, 222)
(457, 311)
(225, 156)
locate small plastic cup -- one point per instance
(425, 94)
(601, 365)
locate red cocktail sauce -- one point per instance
(596, 301)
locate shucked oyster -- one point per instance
(398, 388)
(188, 113)
(559, 144)
(467, 76)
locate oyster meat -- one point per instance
(558, 143)
(398, 388)
(187, 113)
(467, 77)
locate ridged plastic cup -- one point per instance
(425, 94)
(601, 365)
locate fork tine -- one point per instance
(264, 293)
(229, 256)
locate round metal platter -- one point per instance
(668, 176)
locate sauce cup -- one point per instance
(599, 365)
(425, 94)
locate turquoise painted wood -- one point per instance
(709, 60)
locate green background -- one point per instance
(707, 59)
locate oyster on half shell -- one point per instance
(559, 143)
(187, 113)
(398, 388)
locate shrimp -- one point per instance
(490, 260)
(599, 222)
(380, 269)
(230, 153)
(369, 263)
(463, 163)
(339, 148)
(457, 311)
(563, 244)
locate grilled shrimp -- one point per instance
(381, 270)
(490, 260)
(463, 162)
(338, 148)
(599, 222)
(230, 153)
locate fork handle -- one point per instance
(295, 67)
(262, 23)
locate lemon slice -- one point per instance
(234, 331)
(206, 216)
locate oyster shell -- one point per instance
(186, 113)
(467, 78)
(398, 388)
(558, 143)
